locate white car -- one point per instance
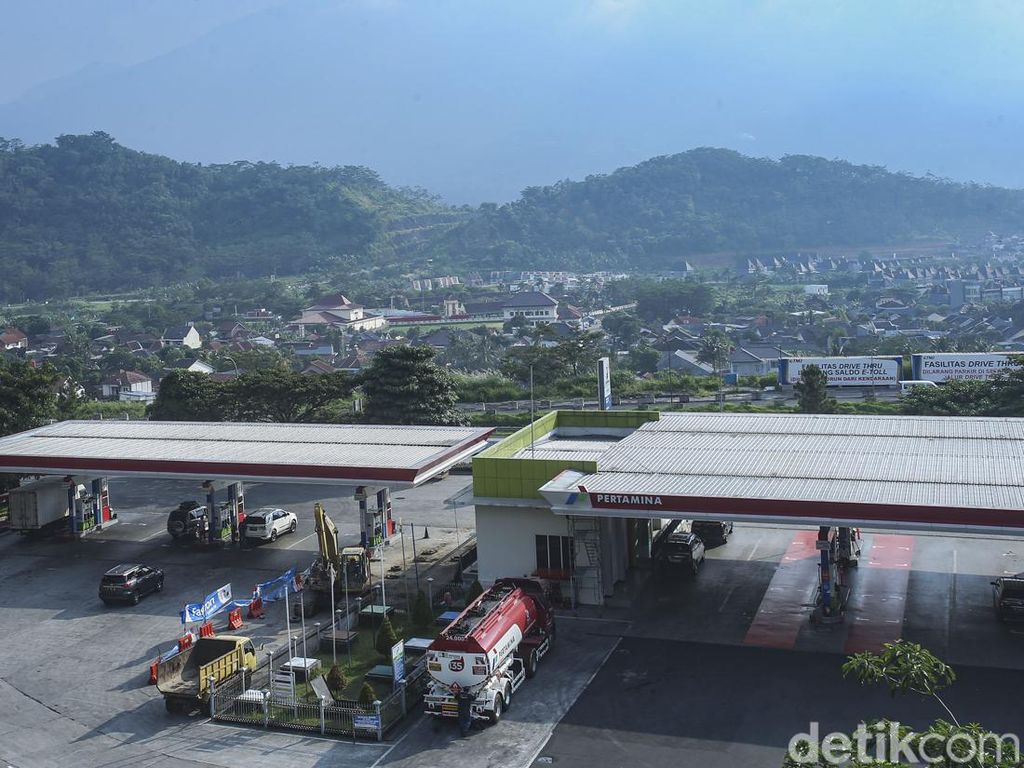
(268, 523)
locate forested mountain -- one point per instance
(89, 214)
(714, 200)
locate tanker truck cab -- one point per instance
(489, 651)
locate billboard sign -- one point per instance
(604, 383)
(214, 603)
(845, 371)
(398, 662)
(365, 722)
(963, 366)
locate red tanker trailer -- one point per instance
(482, 657)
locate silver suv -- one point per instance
(268, 523)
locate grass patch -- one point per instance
(364, 658)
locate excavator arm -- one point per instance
(327, 537)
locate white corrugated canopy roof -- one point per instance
(912, 469)
(354, 454)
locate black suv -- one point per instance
(188, 521)
(712, 532)
(1008, 597)
(130, 583)
(681, 549)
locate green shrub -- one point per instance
(367, 696)
(336, 681)
(386, 638)
(422, 614)
(488, 387)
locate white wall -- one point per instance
(505, 539)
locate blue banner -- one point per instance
(275, 588)
(214, 603)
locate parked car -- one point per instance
(712, 532)
(188, 521)
(681, 549)
(910, 384)
(268, 523)
(129, 583)
(1008, 597)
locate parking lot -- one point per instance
(73, 673)
(723, 669)
(693, 671)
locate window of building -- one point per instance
(554, 555)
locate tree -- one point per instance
(952, 398)
(367, 696)
(812, 391)
(578, 354)
(337, 681)
(644, 359)
(422, 613)
(187, 396)
(906, 667)
(28, 396)
(1002, 395)
(282, 396)
(714, 350)
(623, 327)
(386, 638)
(403, 385)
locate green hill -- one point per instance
(88, 214)
(710, 200)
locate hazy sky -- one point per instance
(479, 98)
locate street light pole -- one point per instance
(415, 562)
(458, 535)
(334, 627)
(533, 417)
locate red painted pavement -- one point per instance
(787, 604)
(878, 602)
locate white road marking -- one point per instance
(296, 543)
(593, 618)
(423, 719)
(586, 685)
(721, 608)
(154, 535)
(753, 551)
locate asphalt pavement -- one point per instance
(718, 670)
(660, 703)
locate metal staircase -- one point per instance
(587, 580)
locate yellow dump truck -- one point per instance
(184, 679)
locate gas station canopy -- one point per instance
(913, 472)
(346, 454)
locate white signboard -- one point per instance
(845, 371)
(958, 366)
(604, 384)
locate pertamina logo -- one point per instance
(456, 665)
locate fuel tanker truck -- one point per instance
(481, 658)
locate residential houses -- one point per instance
(182, 336)
(337, 312)
(128, 386)
(13, 338)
